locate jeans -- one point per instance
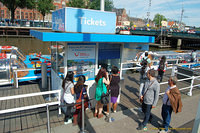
(146, 109)
(68, 114)
(160, 76)
(166, 115)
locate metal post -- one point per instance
(83, 118)
(48, 121)
(16, 80)
(191, 87)
(59, 108)
(102, 5)
(49, 87)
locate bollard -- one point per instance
(49, 87)
(48, 121)
(83, 118)
(44, 75)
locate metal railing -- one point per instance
(16, 78)
(32, 106)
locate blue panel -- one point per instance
(58, 20)
(83, 37)
(84, 20)
(109, 51)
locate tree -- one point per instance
(91, 4)
(95, 4)
(158, 18)
(13, 4)
(45, 7)
(77, 3)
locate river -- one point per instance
(33, 45)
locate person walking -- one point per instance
(149, 97)
(114, 88)
(81, 93)
(102, 80)
(161, 68)
(145, 66)
(171, 102)
(68, 96)
(193, 56)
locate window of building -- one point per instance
(31, 15)
(57, 57)
(26, 15)
(34, 17)
(22, 15)
(7, 14)
(2, 13)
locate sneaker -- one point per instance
(141, 127)
(145, 128)
(114, 111)
(68, 122)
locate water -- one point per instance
(33, 45)
(27, 45)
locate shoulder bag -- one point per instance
(142, 99)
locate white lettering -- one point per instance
(91, 21)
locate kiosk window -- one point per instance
(109, 54)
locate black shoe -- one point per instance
(150, 119)
(141, 127)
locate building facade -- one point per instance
(29, 14)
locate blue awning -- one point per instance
(89, 37)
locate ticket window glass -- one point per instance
(57, 57)
(109, 55)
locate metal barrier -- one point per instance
(32, 106)
(23, 70)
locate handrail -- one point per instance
(31, 106)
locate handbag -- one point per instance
(78, 104)
(142, 99)
(104, 97)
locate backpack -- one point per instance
(144, 65)
(162, 66)
(144, 62)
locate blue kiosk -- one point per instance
(82, 40)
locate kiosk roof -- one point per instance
(89, 37)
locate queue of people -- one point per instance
(148, 94)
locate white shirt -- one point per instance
(68, 97)
(165, 97)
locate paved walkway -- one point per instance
(127, 120)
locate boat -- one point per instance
(14, 64)
(182, 56)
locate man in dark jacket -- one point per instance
(171, 102)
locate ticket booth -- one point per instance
(74, 49)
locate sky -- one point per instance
(169, 8)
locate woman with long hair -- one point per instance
(161, 69)
(102, 80)
(68, 95)
(78, 88)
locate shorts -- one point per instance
(113, 99)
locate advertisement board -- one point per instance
(83, 20)
(81, 60)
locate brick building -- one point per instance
(27, 14)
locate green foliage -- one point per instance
(77, 3)
(158, 18)
(13, 4)
(45, 6)
(91, 4)
(95, 4)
